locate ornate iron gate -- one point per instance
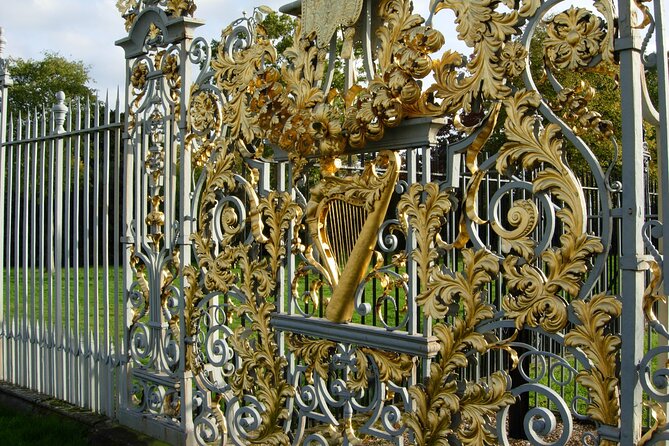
(412, 256)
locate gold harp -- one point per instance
(344, 216)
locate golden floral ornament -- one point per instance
(204, 113)
(139, 75)
(170, 69)
(574, 38)
(181, 7)
(574, 102)
(513, 58)
(124, 6)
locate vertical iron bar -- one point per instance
(95, 385)
(5, 82)
(76, 236)
(18, 332)
(34, 340)
(108, 390)
(8, 256)
(60, 112)
(42, 253)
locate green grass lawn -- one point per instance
(19, 428)
(82, 283)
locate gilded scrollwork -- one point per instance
(260, 104)
(534, 295)
(225, 265)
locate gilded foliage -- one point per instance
(423, 209)
(534, 296)
(278, 211)
(602, 351)
(443, 395)
(488, 31)
(281, 101)
(317, 354)
(445, 288)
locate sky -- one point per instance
(87, 30)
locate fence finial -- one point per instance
(59, 112)
(3, 42)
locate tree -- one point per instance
(36, 82)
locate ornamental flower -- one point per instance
(574, 38)
(138, 77)
(171, 68)
(181, 7)
(512, 59)
(204, 113)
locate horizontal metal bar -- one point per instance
(375, 337)
(113, 126)
(162, 379)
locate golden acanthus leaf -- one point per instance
(392, 366)
(659, 416)
(316, 353)
(279, 211)
(446, 288)
(479, 405)
(602, 351)
(487, 30)
(423, 209)
(653, 293)
(192, 297)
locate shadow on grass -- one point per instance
(18, 428)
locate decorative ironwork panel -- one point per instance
(390, 239)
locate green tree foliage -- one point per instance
(280, 28)
(603, 80)
(36, 82)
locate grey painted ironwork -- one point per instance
(79, 200)
(51, 304)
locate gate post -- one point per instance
(156, 383)
(628, 46)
